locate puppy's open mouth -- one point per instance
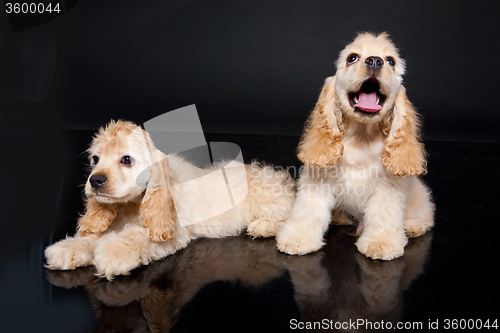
(368, 99)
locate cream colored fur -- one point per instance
(134, 218)
(362, 164)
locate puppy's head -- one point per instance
(118, 154)
(126, 167)
(367, 88)
(369, 75)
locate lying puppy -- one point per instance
(362, 154)
(142, 205)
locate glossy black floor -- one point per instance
(243, 285)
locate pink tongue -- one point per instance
(368, 102)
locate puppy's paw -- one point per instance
(297, 243)
(116, 257)
(417, 227)
(160, 233)
(68, 254)
(263, 228)
(383, 247)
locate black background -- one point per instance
(251, 67)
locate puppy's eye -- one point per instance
(352, 58)
(95, 159)
(391, 61)
(127, 160)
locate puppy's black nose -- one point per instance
(98, 181)
(374, 62)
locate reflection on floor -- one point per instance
(336, 283)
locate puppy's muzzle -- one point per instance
(374, 62)
(98, 181)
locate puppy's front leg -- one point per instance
(97, 217)
(384, 235)
(119, 253)
(303, 232)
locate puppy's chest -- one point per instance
(358, 172)
(128, 214)
(360, 155)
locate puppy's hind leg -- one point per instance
(419, 213)
(271, 196)
(263, 228)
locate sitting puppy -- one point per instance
(362, 155)
(142, 205)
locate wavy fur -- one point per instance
(361, 162)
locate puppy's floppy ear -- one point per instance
(321, 142)
(97, 217)
(157, 209)
(404, 155)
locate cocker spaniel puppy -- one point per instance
(362, 155)
(142, 205)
